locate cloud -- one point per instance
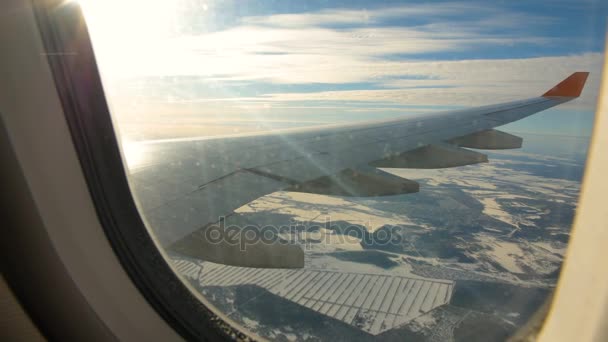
(306, 47)
(386, 48)
(448, 11)
(469, 82)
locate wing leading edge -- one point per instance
(186, 187)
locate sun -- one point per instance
(125, 32)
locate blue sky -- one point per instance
(334, 61)
(580, 22)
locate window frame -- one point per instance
(77, 81)
(71, 58)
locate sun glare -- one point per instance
(135, 154)
(125, 32)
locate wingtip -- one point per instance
(570, 87)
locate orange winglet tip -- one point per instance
(570, 87)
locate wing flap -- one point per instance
(359, 182)
(182, 224)
(239, 246)
(488, 140)
(435, 156)
(182, 215)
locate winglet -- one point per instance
(570, 87)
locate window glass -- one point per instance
(289, 159)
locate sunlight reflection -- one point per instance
(124, 32)
(135, 154)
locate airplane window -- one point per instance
(356, 170)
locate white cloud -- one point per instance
(347, 46)
(470, 82)
(302, 48)
(443, 11)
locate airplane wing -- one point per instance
(185, 187)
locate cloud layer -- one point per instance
(398, 56)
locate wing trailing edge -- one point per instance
(239, 247)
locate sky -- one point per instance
(317, 62)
